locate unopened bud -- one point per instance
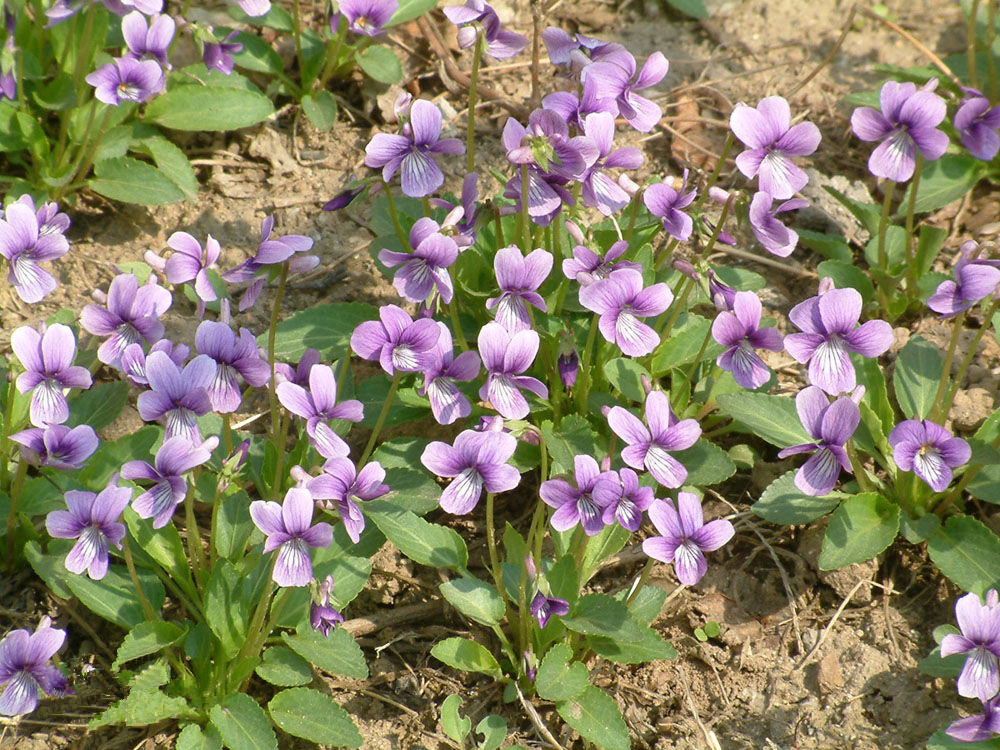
(628, 185)
(826, 284)
(723, 295)
(686, 268)
(605, 411)
(647, 383)
(575, 232)
(718, 195)
(155, 262)
(569, 365)
(606, 463)
(529, 565)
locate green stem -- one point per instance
(272, 334)
(970, 353)
(911, 271)
(147, 608)
(525, 217)
(636, 200)
(491, 546)
(457, 324)
(714, 177)
(82, 52)
(15, 496)
(195, 552)
(404, 241)
(585, 379)
(297, 32)
(667, 253)
(6, 432)
(332, 54)
(227, 433)
(678, 306)
(470, 134)
(970, 45)
(697, 360)
(949, 355)
(381, 418)
(991, 21)
(857, 467)
(883, 224)
(643, 577)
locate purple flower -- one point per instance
(980, 639)
(290, 530)
(776, 238)
(300, 375)
(23, 669)
(620, 301)
(547, 145)
(460, 223)
(152, 39)
(928, 450)
(505, 356)
(126, 80)
(771, 139)
(831, 426)
(342, 482)
(649, 447)
(568, 362)
(543, 607)
(271, 252)
(977, 123)
(319, 403)
(685, 537)
(723, 295)
(576, 51)
(477, 460)
(666, 203)
(627, 499)
(740, 331)
(322, 616)
(57, 445)
(177, 396)
(93, 521)
(396, 341)
(575, 109)
(547, 195)
(583, 504)
(500, 43)
(368, 17)
(255, 8)
(974, 281)
(979, 728)
(830, 330)
(599, 190)
(47, 359)
(518, 278)
(586, 266)
(190, 263)
(448, 403)
(132, 316)
(426, 266)
(412, 154)
(908, 121)
(614, 77)
(233, 356)
(219, 55)
(25, 241)
(175, 458)
(133, 361)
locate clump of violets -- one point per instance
(741, 333)
(271, 253)
(477, 461)
(684, 536)
(614, 77)
(345, 485)
(584, 503)
(830, 425)
(979, 622)
(24, 668)
(928, 450)
(218, 55)
(148, 40)
(27, 238)
(91, 519)
(290, 530)
(57, 445)
(977, 124)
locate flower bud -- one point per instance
(575, 232)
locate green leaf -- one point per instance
(373, 392)
(57, 95)
(226, 608)
(314, 716)
(192, 737)
(706, 463)
(650, 648)
(326, 328)
(784, 503)
(848, 275)
(494, 731)
(772, 418)
(600, 614)
(915, 379)
(682, 346)
(411, 486)
(277, 18)
(233, 525)
(945, 180)
(559, 678)
(475, 599)
(986, 484)
(243, 724)
(381, 64)
(941, 741)
(257, 55)
(421, 541)
(895, 248)
(626, 375)
(968, 553)
(163, 545)
(132, 181)
(50, 568)
(859, 529)
(574, 437)
(283, 667)
(466, 655)
(173, 163)
(145, 702)
(338, 654)
(321, 109)
(206, 108)
(693, 8)
(868, 214)
(596, 716)
(648, 603)
(454, 724)
(114, 597)
(147, 638)
(830, 246)
(948, 667)
(410, 9)
(929, 243)
(98, 406)
(609, 541)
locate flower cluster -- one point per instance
(979, 621)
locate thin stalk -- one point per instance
(697, 359)
(491, 546)
(381, 418)
(949, 355)
(227, 433)
(272, 334)
(636, 200)
(991, 21)
(82, 51)
(970, 45)
(332, 53)
(499, 227)
(5, 433)
(457, 324)
(584, 380)
(666, 253)
(470, 133)
(147, 608)
(195, 552)
(525, 217)
(883, 224)
(641, 581)
(710, 245)
(251, 646)
(714, 177)
(297, 32)
(279, 465)
(911, 271)
(404, 241)
(680, 302)
(857, 467)
(261, 636)
(945, 407)
(15, 496)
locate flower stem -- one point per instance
(491, 546)
(640, 581)
(5, 432)
(297, 32)
(15, 495)
(395, 217)
(991, 20)
(714, 177)
(911, 271)
(381, 418)
(332, 53)
(525, 216)
(949, 355)
(680, 303)
(970, 45)
(195, 552)
(883, 224)
(857, 467)
(456, 323)
(470, 134)
(945, 406)
(583, 386)
(227, 433)
(147, 608)
(272, 334)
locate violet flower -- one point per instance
(443, 368)
(47, 359)
(505, 356)
(300, 375)
(586, 266)
(576, 51)
(575, 109)
(219, 55)
(322, 616)
(319, 403)
(368, 17)
(412, 154)
(980, 639)
(583, 503)
(175, 458)
(233, 356)
(289, 529)
(929, 451)
(460, 222)
(519, 277)
(979, 728)
(176, 396)
(975, 280)
(723, 295)
(477, 460)
(830, 331)
(776, 238)
(908, 121)
(93, 521)
(740, 331)
(599, 190)
(666, 203)
(57, 445)
(396, 341)
(620, 301)
(547, 195)
(25, 242)
(23, 668)
(126, 80)
(255, 8)
(152, 39)
(543, 607)
(684, 536)
(771, 141)
(627, 499)
(190, 263)
(614, 77)
(547, 145)
(977, 124)
(830, 426)
(343, 483)
(426, 266)
(500, 43)
(132, 316)
(133, 360)
(650, 447)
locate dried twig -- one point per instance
(537, 720)
(829, 626)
